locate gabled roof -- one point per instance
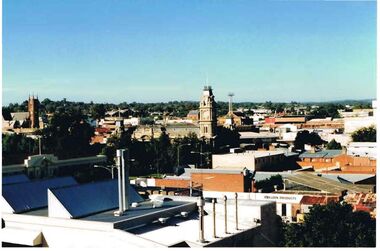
(20, 115)
(14, 179)
(29, 196)
(90, 198)
(193, 112)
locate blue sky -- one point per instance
(149, 51)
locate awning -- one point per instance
(21, 236)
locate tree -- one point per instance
(6, 113)
(365, 134)
(98, 111)
(333, 145)
(332, 225)
(267, 185)
(68, 135)
(304, 137)
(16, 147)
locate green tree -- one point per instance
(16, 147)
(98, 111)
(333, 145)
(304, 137)
(6, 113)
(68, 135)
(332, 225)
(327, 110)
(268, 184)
(365, 134)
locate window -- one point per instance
(283, 210)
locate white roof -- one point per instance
(362, 144)
(254, 135)
(257, 154)
(26, 237)
(187, 230)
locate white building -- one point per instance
(82, 216)
(133, 121)
(252, 160)
(353, 124)
(362, 149)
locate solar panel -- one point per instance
(32, 195)
(87, 199)
(14, 179)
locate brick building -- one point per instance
(210, 180)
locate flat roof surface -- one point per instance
(256, 154)
(143, 209)
(353, 178)
(187, 229)
(256, 135)
(219, 170)
(323, 184)
(321, 154)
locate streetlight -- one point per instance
(109, 168)
(178, 147)
(200, 154)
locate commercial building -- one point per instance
(209, 180)
(252, 160)
(362, 149)
(45, 211)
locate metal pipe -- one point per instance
(200, 205)
(39, 146)
(119, 184)
(123, 178)
(191, 187)
(225, 214)
(213, 218)
(126, 163)
(236, 211)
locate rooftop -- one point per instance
(314, 181)
(321, 154)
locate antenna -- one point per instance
(230, 95)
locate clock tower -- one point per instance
(207, 114)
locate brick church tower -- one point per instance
(33, 109)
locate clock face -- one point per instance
(205, 115)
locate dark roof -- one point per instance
(14, 179)
(87, 199)
(32, 195)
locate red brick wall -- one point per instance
(209, 182)
(172, 183)
(219, 181)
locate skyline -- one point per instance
(159, 51)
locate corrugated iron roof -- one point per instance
(321, 154)
(323, 184)
(14, 179)
(32, 195)
(87, 199)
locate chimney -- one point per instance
(122, 156)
